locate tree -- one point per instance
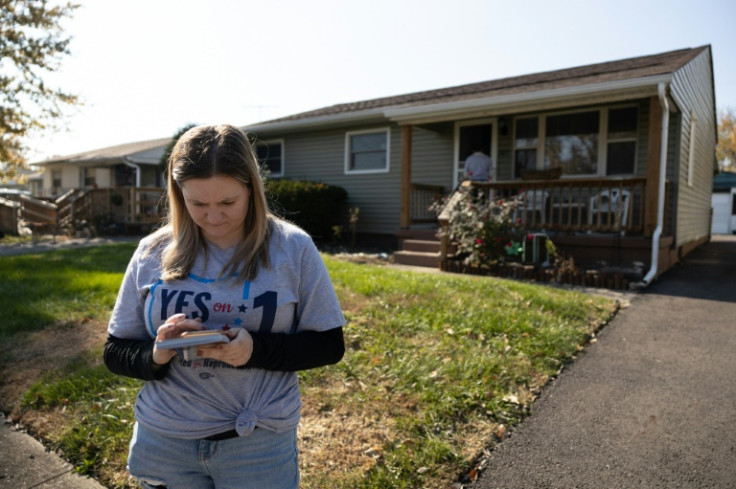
(726, 147)
(32, 45)
(163, 163)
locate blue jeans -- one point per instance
(261, 460)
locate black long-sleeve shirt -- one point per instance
(271, 351)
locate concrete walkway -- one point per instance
(651, 404)
(26, 464)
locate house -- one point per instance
(633, 139)
(724, 203)
(115, 186)
(125, 165)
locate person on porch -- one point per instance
(478, 166)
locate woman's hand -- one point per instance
(236, 353)
(173, 328)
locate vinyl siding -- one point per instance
(432, 159)
(320, 156)
(692, 90)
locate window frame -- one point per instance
(607, 140)
(348, 151)
(283, 155)
(88, 177)
(535, 147)
(603, 137)
(54, 173)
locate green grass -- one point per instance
(59, 286)
(439, 359)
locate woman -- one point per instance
(221, 416)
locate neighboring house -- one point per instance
(610, 127)
(125, 165)
(112, 188)
(724, 203)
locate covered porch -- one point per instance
(602, 219)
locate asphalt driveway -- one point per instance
(651, 404)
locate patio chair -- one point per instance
(615, 202)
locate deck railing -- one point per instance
(576, 205)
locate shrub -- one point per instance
(483, 232)
(315, 207)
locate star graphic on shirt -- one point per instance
(237, 322)
(242, 308)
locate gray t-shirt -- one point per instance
(202, 397)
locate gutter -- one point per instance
(638, 86)
(660, 200)
(431, 110)
(127, 162)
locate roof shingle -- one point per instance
(630, 68)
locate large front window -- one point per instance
(592, 142)
(367, 151)
(571, 142)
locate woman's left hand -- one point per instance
(236, 353)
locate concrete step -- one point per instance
(417, 258)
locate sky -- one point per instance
(143, 69)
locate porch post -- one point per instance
(405, 212)
(653, 150)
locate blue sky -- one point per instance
(145, 68)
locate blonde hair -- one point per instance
(203, 152)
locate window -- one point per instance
(526, 139)
(621, 150)
(571, 141)
(367, 151)
(88, 175)
(592, 142)
(56, 178)
(270, 156)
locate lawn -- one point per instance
(437, 367)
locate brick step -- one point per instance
(417, 258)
(422, 234)
(421, 245)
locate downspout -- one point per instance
(662, 176)
(137, 171)
(134, 207)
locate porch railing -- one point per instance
(80, 208)
(422, 198)
(575, 205)
(146, 204)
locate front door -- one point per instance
(472, 136)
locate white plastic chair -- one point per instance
(532, 201)
(615, 202)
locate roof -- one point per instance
(644, 67)
(142, 152)
(724, 181)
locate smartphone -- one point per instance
(194, 338)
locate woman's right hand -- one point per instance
(173, 328)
